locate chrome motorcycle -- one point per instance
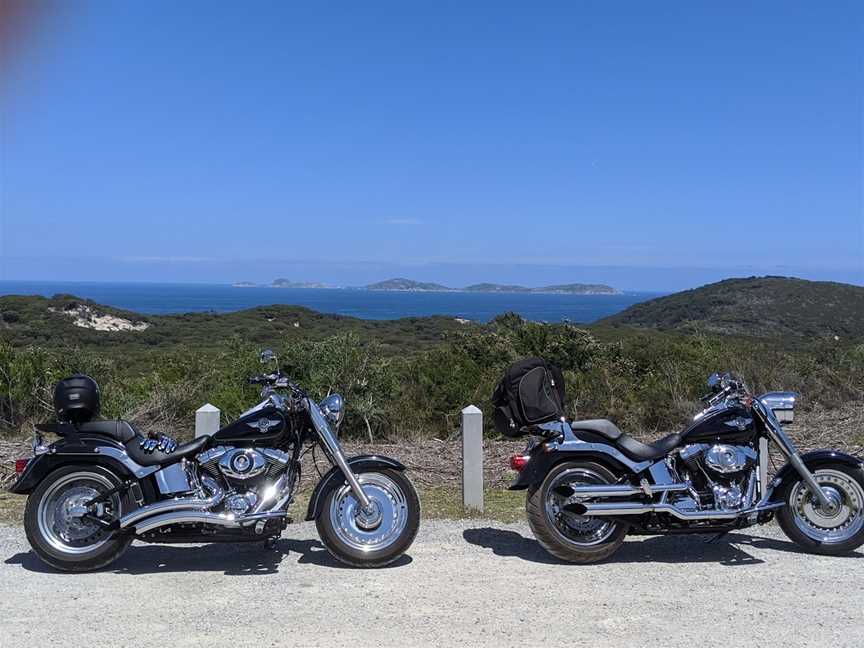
(103, 485)
(589, 484)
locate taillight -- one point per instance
(518, 462)
(21, 465)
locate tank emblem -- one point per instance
(263, 424)
(739, 422)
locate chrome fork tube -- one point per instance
(787, 447)
(334, 450)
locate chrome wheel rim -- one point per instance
(578, 530)
(375, 529)
(841, 523)
(58, 515)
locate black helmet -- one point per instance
(76, 399)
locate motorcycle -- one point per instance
(589, 484)
(103, 484)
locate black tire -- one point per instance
(110, 545)
(551, 538)
(344, 552)
(789, 520)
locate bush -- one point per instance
(645, 381)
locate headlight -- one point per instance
(333, 408)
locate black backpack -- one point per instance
(530, 393)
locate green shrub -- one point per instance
(645, 381)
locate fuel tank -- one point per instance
(263, 426)
(726, 423)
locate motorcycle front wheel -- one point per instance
(831, 532)
(568, 536)
(376, 537)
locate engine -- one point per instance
(247, 472)
(720, 474)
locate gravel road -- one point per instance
(469, 583)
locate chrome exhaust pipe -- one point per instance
(186, 517)
(634, 508)
(601, 509)
(180, 504)
(226, 520)
(603, 490)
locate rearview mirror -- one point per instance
(267, 356)
(714, 381)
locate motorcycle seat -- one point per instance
(603, 431)
(121, 431)
(159, 458)
(606, 429)
(639, 451)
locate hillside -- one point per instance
(406, 378)
(72, 321)
(755, 306)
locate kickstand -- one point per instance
(270, 543)
(716, 538)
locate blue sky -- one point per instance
(653, 145)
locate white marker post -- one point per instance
(472, 458)
(207, 420)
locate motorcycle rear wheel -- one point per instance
(62, 538)
(568, 536)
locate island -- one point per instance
(401, 284)
(561, 289)
(286, 283)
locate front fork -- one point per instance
(334, 451)
(788, 449)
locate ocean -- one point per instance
(160, 299)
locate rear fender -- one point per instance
(541, 462)
(334, 477)
(787, 475)
(89, 451)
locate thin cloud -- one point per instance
(402, 221)
(165, 259)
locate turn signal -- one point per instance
(518, 462)
(21, 465)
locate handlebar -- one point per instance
(729, 386)
(275, 380)
(262, 379)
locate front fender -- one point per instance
(813, 460)
(334, 478)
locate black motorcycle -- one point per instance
(589, 484)
(103, 484)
